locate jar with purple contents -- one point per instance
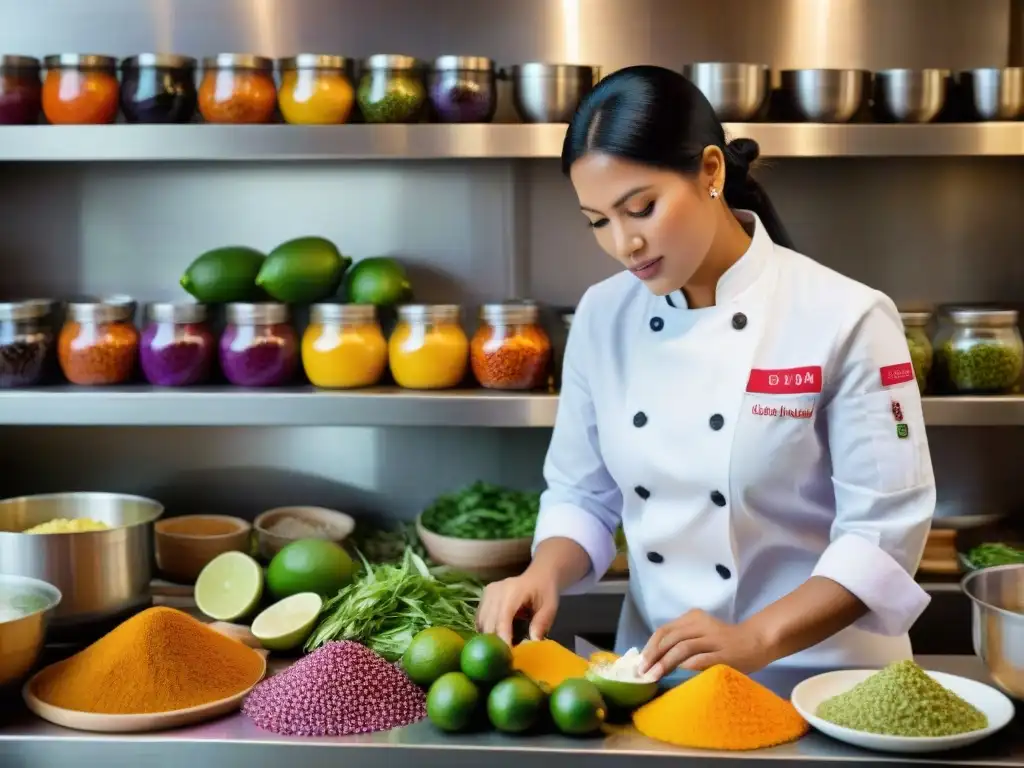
(462, 89)
(21, 91)
(177, 348)
(259, 348)
(158, 88)
(25, 342)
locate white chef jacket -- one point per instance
(746, 447)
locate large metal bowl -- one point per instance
(826, 95)
(997, 623)
(737, 92)
(910, 95)
(21, 638)
(550, 93)
(100, 573)
(994, 94)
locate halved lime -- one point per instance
(288, 623)
(229, 587)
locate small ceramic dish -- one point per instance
(335, 526)
(485, 558)
(184, 545)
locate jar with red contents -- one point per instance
(177, 348)
(80, 89)
(259, 347)
(21, 92)
(510, 349)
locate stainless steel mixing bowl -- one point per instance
(99, 573)
(826, 95)
(994, 94)
(21, 638)
(550, 93)
(736, 91)
(910, 95)
(997, 623)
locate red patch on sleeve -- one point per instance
(896, 374)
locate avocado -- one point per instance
(224, 275)
(303, 271)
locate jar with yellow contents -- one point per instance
(343, 346)
(428, 348)
(315, 90)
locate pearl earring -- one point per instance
(713, 193)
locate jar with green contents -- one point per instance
(914, 326)
(392, 89)
(981, 351)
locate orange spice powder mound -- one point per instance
(720, 709)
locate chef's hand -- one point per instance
(697, 640)
(534, 592)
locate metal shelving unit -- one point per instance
(308, 407)
(45, 143)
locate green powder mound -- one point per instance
(902, 700)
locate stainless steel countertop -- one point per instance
(29, 742)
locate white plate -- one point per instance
(810, 693)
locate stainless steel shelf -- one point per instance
(91, 143)
(308, 407)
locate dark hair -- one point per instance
(657, 117)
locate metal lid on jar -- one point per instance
(391, 61)
(80, 61)
(312, 61)
(437, 313)
(238, 61)
(915, 319)
(464, 63)
(19, 62)
(29, 309)
(510, 312)
(986, 317)
(261, 313)
(114, 309)
(337, 312)
(159, 60)
(542, 69)
(176, 312)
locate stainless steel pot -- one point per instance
(910, 95)
(997, 623)
(826, 95)
(550, 93)
(736, 91)
(21, 639)
(994, 94)
(100, 573)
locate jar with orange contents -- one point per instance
(98, 344)
(510, 349)
(315, 90)
(237, 88)
(343, 346)
(428, 348)
(80, 89)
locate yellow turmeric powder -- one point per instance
(545, 661)
(720, 709)
(159, 660)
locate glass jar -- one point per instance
(343, 346)
(315, 90)
(158, 88)
(80, 89)
(428, 348)
(237, 88)
(98, 344)
(25, 342)
(259, 347)
(177, 348)
(981, 351)
(915, 326)
(391, 89)
(21, 92)
(463, 89)
(510, 349)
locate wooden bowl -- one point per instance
(183, 550)
(269, 543)
(488, 559)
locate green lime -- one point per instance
(622, 694)
(229, 587)
(452, 701)
(433, 652)
(577, 707)
(515, 704)
(303, 271)
(378, 280)
(288, 623)
(224, 274)
(310, 565)
(486, 659)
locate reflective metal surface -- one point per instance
(99, 573)
(736, 91)
(997, 623)
(910, 95)
(21, 639)
(994, 94)
(550, 93)
(826, 95)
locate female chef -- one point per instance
(749, 416)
